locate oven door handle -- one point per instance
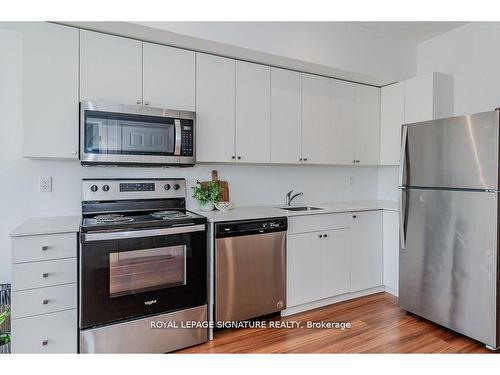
(103, 236)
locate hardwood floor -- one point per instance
(378, 326)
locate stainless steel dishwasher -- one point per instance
(250, 268)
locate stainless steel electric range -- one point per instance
(142, 267)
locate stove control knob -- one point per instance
(105, 188)
(93, 188)
(176, 187)
(167, 186)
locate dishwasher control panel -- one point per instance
(248, 227)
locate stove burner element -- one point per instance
(112, 218)
(170, 214)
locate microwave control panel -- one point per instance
(187, 137)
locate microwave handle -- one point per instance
(178, 137)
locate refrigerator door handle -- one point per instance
(402, 159)
(402, 218)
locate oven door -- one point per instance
(112, 134)
(125, 275)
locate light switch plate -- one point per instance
(45, 184)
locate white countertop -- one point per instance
(258, 212)
(47, 225)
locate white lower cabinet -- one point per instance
(44, 293)
(334, 258)
(366, 250)
(49, 333)
(303, 265)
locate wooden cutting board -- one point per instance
(224, 186)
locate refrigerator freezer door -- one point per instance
(456, 152)
(448, 268)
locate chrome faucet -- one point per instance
(290, 197)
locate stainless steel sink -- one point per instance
(303, 208)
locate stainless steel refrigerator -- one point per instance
(449, 186)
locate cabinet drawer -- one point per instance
(313, 223)
(43, 247)
(43, 274)
(43, 300)
(50, 333)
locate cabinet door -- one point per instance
(419, 99)
(215, 106)
(253, 113)
(110, 68)
(335, 262)
(391, 251)
(303, 268)
(343, 116)
(50, 91)
(366, 253)
(391, 119)
(168, 77)
(286, 116)
(367, 129)
(316, 144)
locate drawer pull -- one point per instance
(45, 301)
(45, 342)
(45, 248)
(45, 275)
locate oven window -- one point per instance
(137, 271)
(128, 134)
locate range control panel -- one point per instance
(123, 189)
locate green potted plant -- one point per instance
(206, 194)
(4, 337)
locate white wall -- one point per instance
(249, 184)
(470, 53)
(342, 45)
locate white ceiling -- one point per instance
(410, 32)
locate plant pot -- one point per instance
(209, 206)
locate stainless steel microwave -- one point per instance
(115, 134)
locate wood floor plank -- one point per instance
(378, 326)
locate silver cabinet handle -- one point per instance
(146, 103)
(139, 101)
(74, 152)
(300, 159)
(45, 301)
(305, 159)
(239, 157)
(45, 248)
(325, 235)
(320, 236)
(45, 275)
(45, 342)
(233, 157)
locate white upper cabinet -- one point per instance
(169, 77)
(367, 129)
(419, 99)
(253, 113)
(367, 252)
(110, 68)
(316, 142)
(215, 106)
(428, 97)
(286, 116)
(50, 90)
(341, 133)
(391, 119)
(422, 98)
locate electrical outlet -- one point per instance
(45, 184)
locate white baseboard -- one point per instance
(392, 291)
(331, 300)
